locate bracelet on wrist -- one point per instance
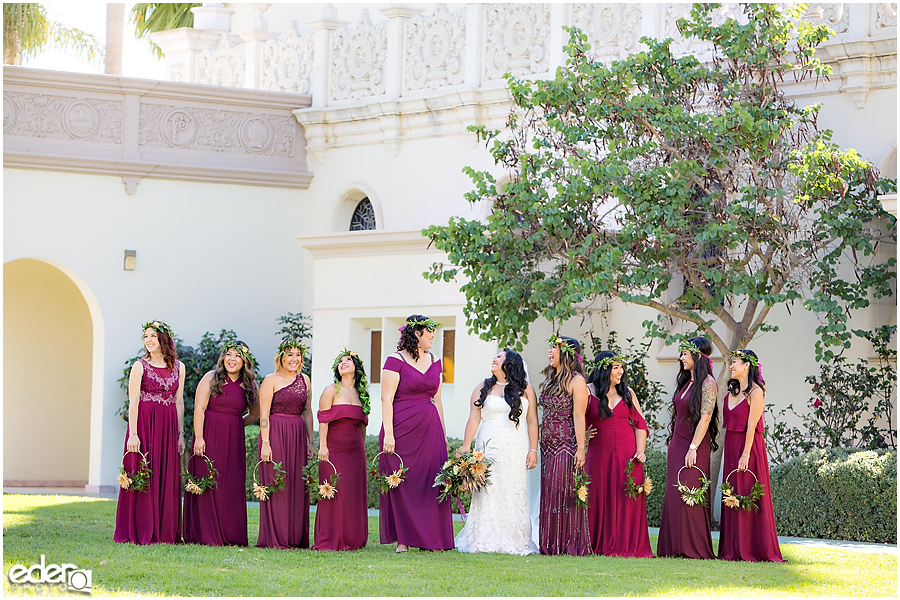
(533, 450)
(131, 434)
(265, 441)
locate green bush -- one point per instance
(839, 494)
(655, 467)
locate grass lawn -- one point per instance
(69, 529)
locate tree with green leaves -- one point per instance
(27, 31)
(698, 189)
(150, 17)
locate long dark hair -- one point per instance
(514, 368)
(247, 378)
(409, 341)
(701, 371)
(360, 380)
(166, 346)
(557, 382)
(599, 377)
(753, 377)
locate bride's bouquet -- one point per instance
(470, 472)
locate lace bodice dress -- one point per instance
(500, 515)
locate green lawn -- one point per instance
(78, 530)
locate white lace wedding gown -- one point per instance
(500, 516)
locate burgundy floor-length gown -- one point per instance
(685, 530)
(618, 524)
(154, 515)
(563, 526)
(218, 517)
(342, 523)
(410, 514)
(284, 517)
(747, 535)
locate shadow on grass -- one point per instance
(80, 530)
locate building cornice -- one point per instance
(367, 243)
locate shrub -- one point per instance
(837, 493)
(655, 467)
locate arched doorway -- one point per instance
(48, 376)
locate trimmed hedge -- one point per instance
(655, 467)
(838, 494)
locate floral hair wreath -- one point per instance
(364, 380)
(690, 347)
(564, 347)
(608, 361)
(746, 357)
(429, 324)
(159, 327)
(291, 343)
(242, 349)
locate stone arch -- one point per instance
(887, 166)
(349, 199)
(53, 376)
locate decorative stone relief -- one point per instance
(435, 49)
(516, 39)
(612, 29)
(61, 117)
(359, 54)
(229, 132)
(224, 66)
(886, 15)
(835, 16)
(682, 46)
(288, 63)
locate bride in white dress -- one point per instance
(505, 407)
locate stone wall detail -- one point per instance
(515, 41)
(435, 49)
(62, 117)
(288, 63)
(358, 57)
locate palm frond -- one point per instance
(150, 17)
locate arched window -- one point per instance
(363, 218)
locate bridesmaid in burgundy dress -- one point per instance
(693, 429)
(618, 524)
(413, 427)
(155, 428)
(747, 534)
(342, 523)
(286, 434)
(218, 517)
(563, 525)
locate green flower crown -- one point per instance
(746, 357)
(158, 327)
(243, 350)
(291, 343)
(565, 348)
(689, 346)
(363, 381)
(609, 360)
(429, 324)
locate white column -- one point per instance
(213, 16)
(393, 68)
(559, 16)
(318, 84)
(474, 44)
(256, 40)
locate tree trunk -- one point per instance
(115, 23)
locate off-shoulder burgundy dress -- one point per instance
(154, 515)
(284, 517)
(563, 525)
(685, 530)
(218, 517)
(747, 535)
(342, 523)
(411, 514)
(618, 524)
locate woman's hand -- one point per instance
(389, 444)
(530, 460)
(690, 459)
(579, 458)
(134, 443)
(323, 453)
(265, 452)
(310, 450)
(744, 462)
(199, 446)
(639, 456)
(589, 433)
(181, 445)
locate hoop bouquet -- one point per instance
(693, 496)
(262, 492)
(748, 502)
(391, 480)
(138, 481)
(199, 485)
(320, 491)
(632, 489)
